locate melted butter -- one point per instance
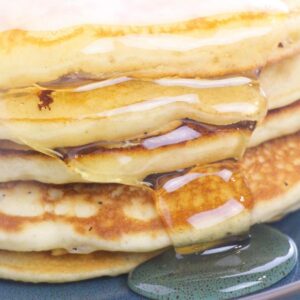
(61, 14)
(45, 119)
(208, 206)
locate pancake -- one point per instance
(46, 119)
(196, 40)
(187, 145)
(125, 109)
(279, 122)
(44, 267)
(272, 172)
(280, 82)
(83, 218)
(19, 162)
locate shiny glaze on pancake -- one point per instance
(123, 109)
(202, 207)
(149, 107)
(18, 163)
(126, 219)
(190, 144)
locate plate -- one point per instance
(116, 288)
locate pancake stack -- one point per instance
(126, 129)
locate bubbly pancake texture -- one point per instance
(199, 39)
(44, 267)
(90, 217)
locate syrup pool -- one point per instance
(222, 273)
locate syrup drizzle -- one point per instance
(188, 130)
(132, 161)
(202, 208)
(136, 108)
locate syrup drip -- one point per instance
(122, 110)
(131, 162)
(189, 130)
(205, 207)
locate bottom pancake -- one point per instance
(44, 267)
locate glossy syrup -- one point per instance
(104, 162)
(205, 207)
(222, 273)
(138, 109)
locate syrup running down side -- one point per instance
(123, 109)
(205, 207)
(188, 145)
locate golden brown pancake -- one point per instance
(44, 267)
(118, 105)
(96, 112)
(124, 109)
(280, 82)
(279, 122)
(197, 40)
(83, 218)
(19, 162)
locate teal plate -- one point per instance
(116, 288)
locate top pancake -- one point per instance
(89, 41)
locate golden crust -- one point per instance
(44, 267)
(272, 171)
(273, 168)
(121, 218)
(18, 163)
(184, 50)
(279, 122)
